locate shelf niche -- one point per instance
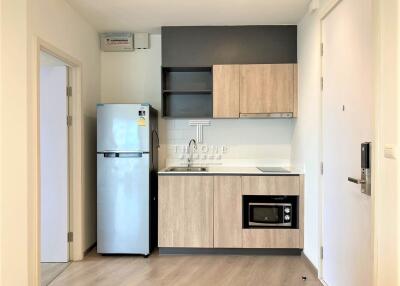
(187, 92)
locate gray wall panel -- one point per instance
(208, 45)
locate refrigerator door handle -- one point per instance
(110, 155)
(123, 154)
(130, 155)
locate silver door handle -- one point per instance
(130, 155)
(123, 154)
(357, 181)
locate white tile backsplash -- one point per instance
(247, 142)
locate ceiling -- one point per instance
(150, 15)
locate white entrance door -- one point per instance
(347, 122)
(54, 163)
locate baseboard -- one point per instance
(228, 251)
(87, 251)
(323, 282)
(310, 264)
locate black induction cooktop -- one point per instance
(273, 170)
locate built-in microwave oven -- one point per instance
(269, 211)
(270, 214)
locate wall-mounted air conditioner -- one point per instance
(116, 42)
(123, 42)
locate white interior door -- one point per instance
(54, 164)
(347, 122)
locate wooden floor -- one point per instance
(195, 270)
(49, 271)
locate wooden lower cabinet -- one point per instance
(271, 238)
(206, 211)
(227, 212)
(271, 185)
(185, 211)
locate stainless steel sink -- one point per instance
(186, 169)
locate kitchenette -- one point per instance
(225, 181)
(204, 203)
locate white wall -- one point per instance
(306, 138)
(14, 143)
(57, 23)
(1, 139)
(136, 77)
(307, 131)
(60, 25)
(387, 196)
(128, 77)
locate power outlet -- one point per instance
(390, 151)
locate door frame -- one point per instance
(75, 157)
(376, 138)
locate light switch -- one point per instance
(313, 6)
(390, 151)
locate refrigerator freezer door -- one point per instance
(123, 127)
(123, 204)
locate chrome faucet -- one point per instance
(190, 158)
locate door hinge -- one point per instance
(322, 252)
(322, 49)
(69, 120)
(322, 83)
(322, 168)
(69, 90)
(70, 236)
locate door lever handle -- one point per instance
(356, 181)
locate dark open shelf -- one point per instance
(187, 92)
(187, 69)
(187, 105)
(205, 91)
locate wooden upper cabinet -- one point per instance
(267, 88)
(226, 91)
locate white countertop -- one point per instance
(231, 170)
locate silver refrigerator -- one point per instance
(127, 143)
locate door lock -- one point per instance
(365, 180)
(356, 181)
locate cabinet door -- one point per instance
(271, 238)
(185, 211)
(271, 185)
(266, 88)
(226, 91)
(227, 212)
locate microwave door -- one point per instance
(268, 215)
(264, 215)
